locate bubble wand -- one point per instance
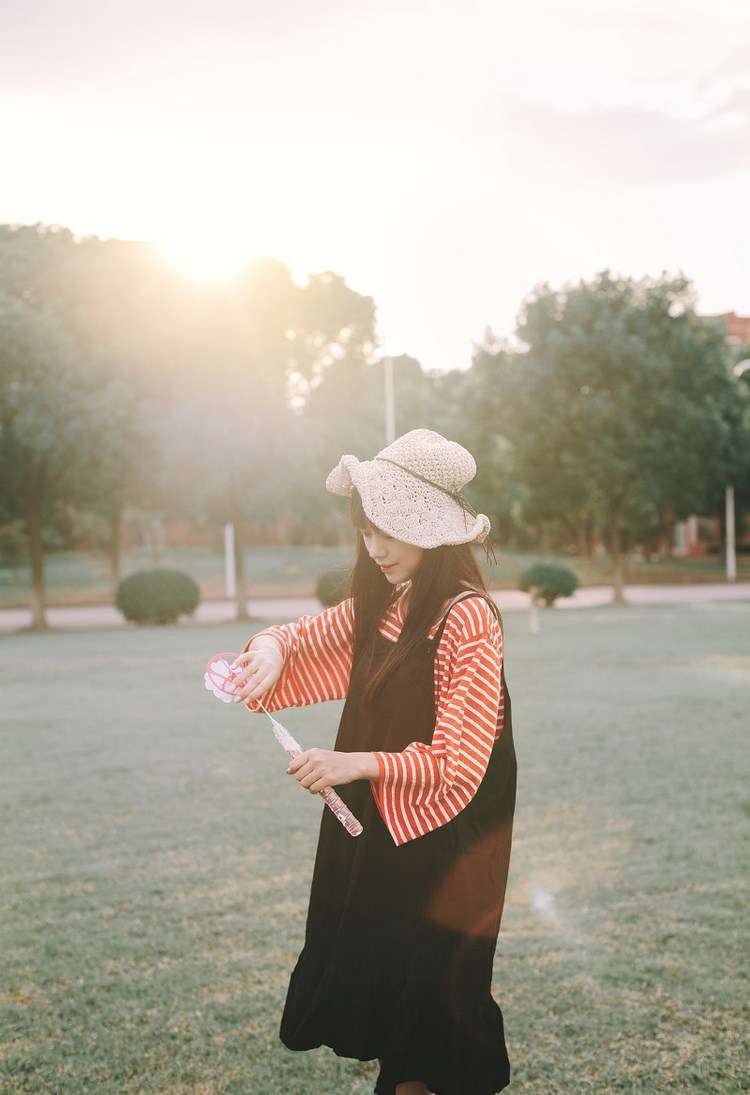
(220, 679)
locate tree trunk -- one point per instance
(668, 524)
(115, 550)
(34, 510)
(618, 562)
(585, 536)
(239, 567)
(156, 538)
(589, 528)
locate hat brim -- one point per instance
(384, 490)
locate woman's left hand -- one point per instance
(317, 769)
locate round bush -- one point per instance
(331, 587)
(157, 596)
(548, 581)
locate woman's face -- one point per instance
(404, 559)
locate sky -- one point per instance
(443, 157)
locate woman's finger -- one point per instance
(241, 675)
(307, 777)
(250, 676)
(261, 686)
(244, 686)
(303, 773)
(254, 686)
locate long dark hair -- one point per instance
(437, 579)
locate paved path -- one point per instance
(289, 608)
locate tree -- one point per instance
(181, 396)
(53, 400)
(100, 296)
(739, 444)
(622, 404)
(483, 395)
(238, 450)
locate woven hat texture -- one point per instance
(398, 501)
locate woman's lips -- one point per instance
(389, 567)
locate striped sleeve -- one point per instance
(317, 653)
(425, 786)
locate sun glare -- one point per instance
(211, 259)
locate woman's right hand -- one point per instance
(260, 667)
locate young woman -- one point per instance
(403, 919)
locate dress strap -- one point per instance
(460, 597)
(433, 643)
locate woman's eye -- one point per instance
(371, 532)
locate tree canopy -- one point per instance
(622, 405)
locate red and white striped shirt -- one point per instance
(423, 786)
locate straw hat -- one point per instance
(410, 490)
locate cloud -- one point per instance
(623, 146)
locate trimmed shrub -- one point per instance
(331, 587)
(157, 596)
(548, 581)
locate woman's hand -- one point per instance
(260, 667)
(317, 769)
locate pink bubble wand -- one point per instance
(220, 679)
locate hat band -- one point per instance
(463, 503)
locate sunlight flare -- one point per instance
(210, 258)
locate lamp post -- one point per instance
(230, 576)
(390, 409)
(731, 549)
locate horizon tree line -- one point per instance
(122, 384)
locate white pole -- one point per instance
(533, 612)
(731, 552)
(390, 410)
(230, 577)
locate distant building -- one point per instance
(738, 328)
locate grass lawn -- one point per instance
(157, 861)
(80, 577)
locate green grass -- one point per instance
(79, 577)
(157, 862)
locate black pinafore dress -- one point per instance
(400, 939)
